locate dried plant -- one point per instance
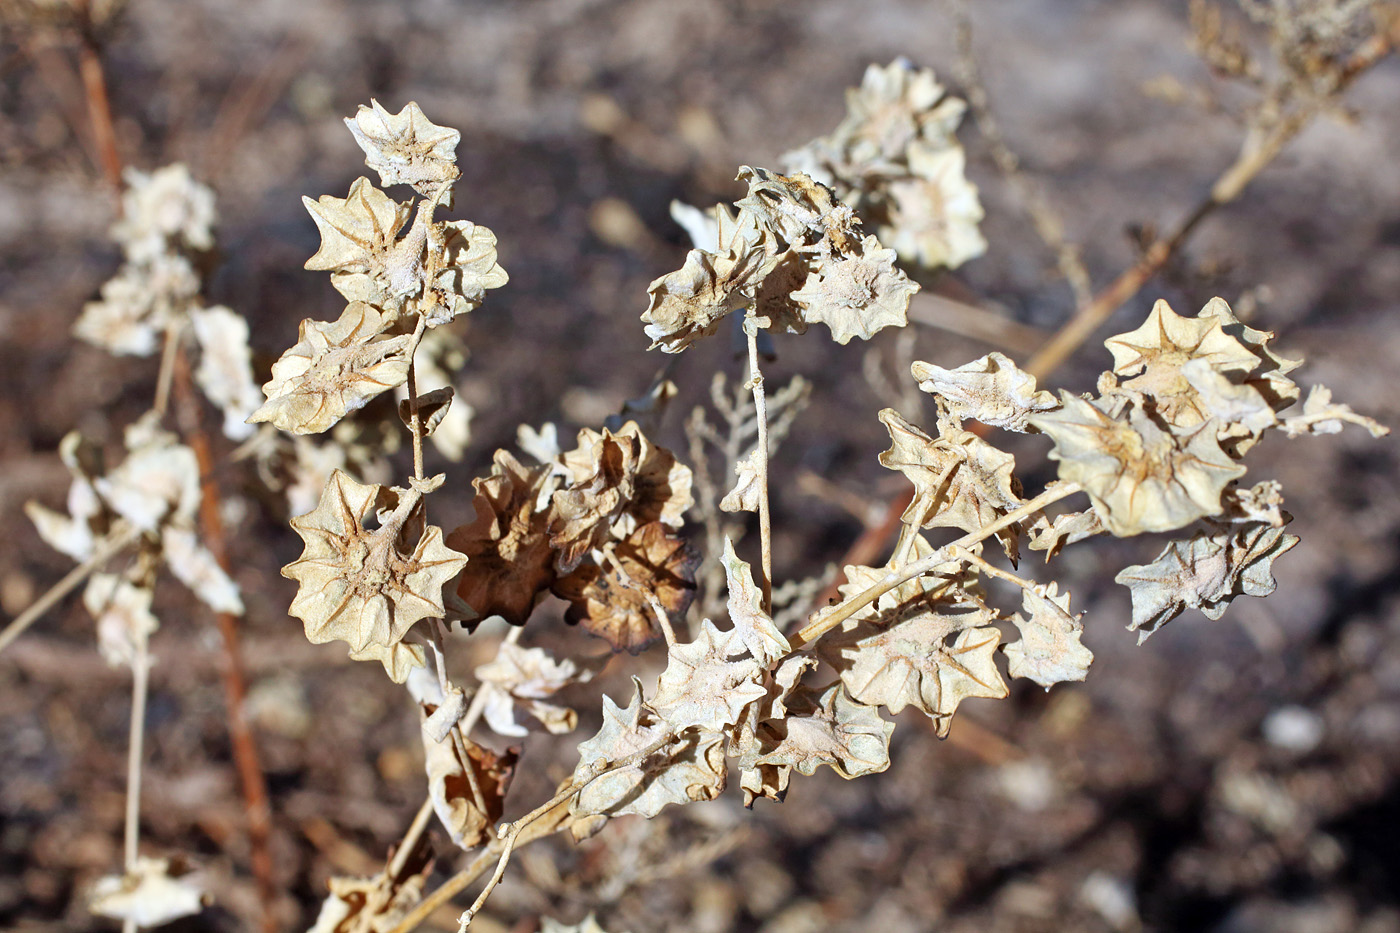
(1160, 447)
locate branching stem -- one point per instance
(119, 539)
(827, 620)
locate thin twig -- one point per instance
(827, 620)
(136, 742)
(510, 834)
(167, 368)
(140, 679)
(99, 105)
(415, 422)
(760, 404)
(120, 538)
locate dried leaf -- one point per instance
(510, 561)
(1049, 651)
(1139, 477)
(747, 491)
(1066, 528)
(1204, 573)
(373, 905)
(520, 678)
(364, 586)
(755, 630)
(432, 409)
(195, 566)
(406, 148)
(990, 389)
(689, 769)
(152, 893)
(334, 369)
(613, 601)
(455, 799)
(1322, 416)
(74, 534)
(123, 613)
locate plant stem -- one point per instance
(99, 105)
(1259, 149)
(118, 540)
(760, 405)
(140, 679)
(421, 818)
(510, 834)
(415, 424)
(167, 369)
(245, 749)
(827, 620)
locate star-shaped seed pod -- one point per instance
(827, 728)
(1139, 477)
(895, 159)
(359, 237)
(406, 148)
(857, 294)
(1153, 355)
(369, 586)
(689, 303)
(334, 369)
(660, 484)
(1049, 651)
(913, 663)
(934, 211)
(896, 106)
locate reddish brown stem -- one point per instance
(245, 750)
(104, 134)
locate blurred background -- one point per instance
(1237, 775)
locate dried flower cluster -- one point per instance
(895, 159)
(1159, 447)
